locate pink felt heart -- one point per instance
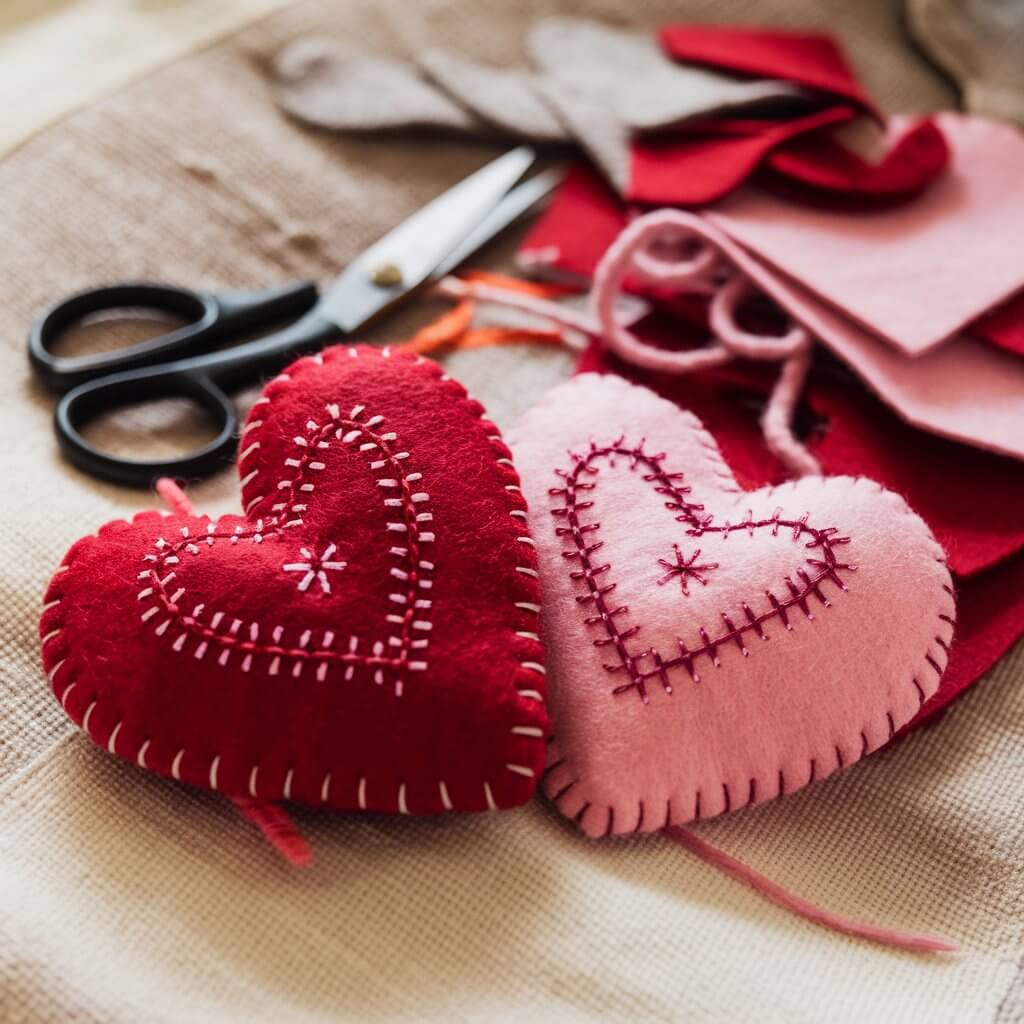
(711, 648)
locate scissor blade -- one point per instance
(405, 257)
(511, 207)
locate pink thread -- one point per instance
(174, 497)
(412, 610)
(671, 248)
(277, 828)
(803, 908)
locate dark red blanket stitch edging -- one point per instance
(669, 485)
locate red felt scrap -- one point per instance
(821, 165)
(582, 218)
(709, 159)
(989, 621)
(810, 59)
(1002, 326)
(338, 644)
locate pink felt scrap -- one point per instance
(711, 648)
(917, 273)
(963, 390)
(966, 390)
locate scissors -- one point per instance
(183, 363)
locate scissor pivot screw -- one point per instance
(386, 275)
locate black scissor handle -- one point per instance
(201, 379)
(88, 400)
(210, 317)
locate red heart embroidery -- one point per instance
(712, 648)
(363, 637)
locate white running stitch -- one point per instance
(398, 552)
(315, 568)
(446, 802)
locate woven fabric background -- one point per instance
(124, 898)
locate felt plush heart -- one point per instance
(363, 637)
(710, 647)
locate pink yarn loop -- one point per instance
(702, 267)
(674, 249)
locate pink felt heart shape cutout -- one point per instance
(710, 648)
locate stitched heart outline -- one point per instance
(402, 490)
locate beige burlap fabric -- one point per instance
(124, 898)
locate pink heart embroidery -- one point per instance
(711, 648)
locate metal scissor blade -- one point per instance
(405, 257)
(511, 207)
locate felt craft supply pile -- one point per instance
(773, 522)
(914, 299)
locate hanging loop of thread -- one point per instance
(674, 249)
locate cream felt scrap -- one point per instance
(712, 648)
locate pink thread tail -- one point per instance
(277, 828)
(803, 908)
(174, 497)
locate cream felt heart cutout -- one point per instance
(711, 648)
(337, 644)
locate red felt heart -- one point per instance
(364, 636)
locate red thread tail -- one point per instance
(277, 828)
(788, 901)
(174, 497)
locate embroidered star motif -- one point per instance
(685, 569)
(316, 567)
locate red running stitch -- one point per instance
(670, 485)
